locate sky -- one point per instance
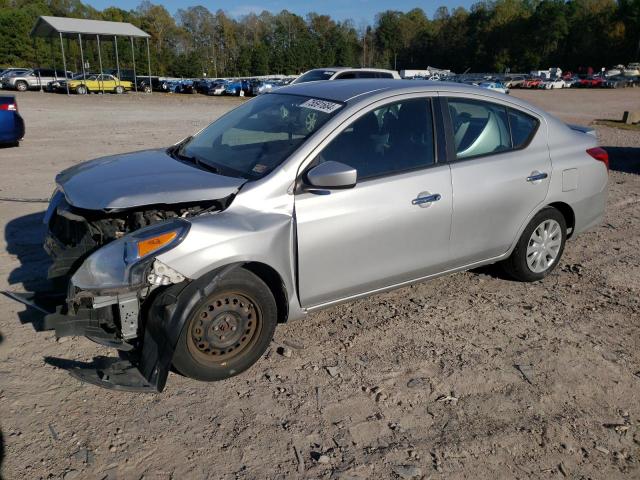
(360, 11)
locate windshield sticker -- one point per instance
(259, 168)
(321, 105)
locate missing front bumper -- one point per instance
(115, 373)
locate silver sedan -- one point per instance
(302, 198)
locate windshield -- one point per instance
(255, 138)
(313, 75)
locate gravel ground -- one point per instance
(467, 376)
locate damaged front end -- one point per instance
(104, 264)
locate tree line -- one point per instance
(518, 35)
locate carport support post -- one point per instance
(133, 57)
(84, 73)
(149, 63)
(64, 64)
(100, 60)
(115, 44)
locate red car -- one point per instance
(591, 82)
(532, 83)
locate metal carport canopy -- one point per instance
(52, 26)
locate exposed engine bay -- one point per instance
(75, 233)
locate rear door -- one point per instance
(394, 225)
(500, 173)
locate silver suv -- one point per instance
(345, 73)
(300, 199)
(33, 79)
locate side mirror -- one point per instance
(332, 175)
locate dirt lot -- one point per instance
(468, 376)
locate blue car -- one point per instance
(237, 88)
(11, 123)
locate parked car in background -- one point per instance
(531, 83)
(258, 87)
(572, 82)
(344, 73)
(157, 84)
(11, 123)
(60, 85)
(552, 83)
(618, 81)
(591, 82)
(514, 81)
(34, 79)
(312, 195)
(97, 84)
(238, 88)
(11, 71)
(216, 88)
(495, 86)
(632, 70)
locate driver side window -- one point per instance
(392, 139)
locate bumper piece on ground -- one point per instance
(112, 373)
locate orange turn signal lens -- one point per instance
(152, 244)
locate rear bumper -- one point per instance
(589, 212)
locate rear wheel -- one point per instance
(540, 247)
(228, 330)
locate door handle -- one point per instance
(535, 176)
(425, 199)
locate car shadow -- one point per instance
(493, 270)
(624, 159)
(1, 437)
(24, 237)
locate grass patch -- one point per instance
(618, 124)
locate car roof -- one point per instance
(354, 91)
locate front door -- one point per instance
(394, 225)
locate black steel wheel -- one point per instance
(227, 331)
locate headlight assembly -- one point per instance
(125, 262)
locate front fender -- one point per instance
(233, 236)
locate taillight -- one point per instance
(13, 107)
(600, 154)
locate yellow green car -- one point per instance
(99, 83)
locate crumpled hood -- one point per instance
(141, 178)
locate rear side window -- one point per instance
(384, 75)
(346, 76)
(479, 128)
(523, 128)
(366, 74)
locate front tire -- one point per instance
(539, 248)
(119, 90)
(81, 90)
(229, 330)
(21, 86)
